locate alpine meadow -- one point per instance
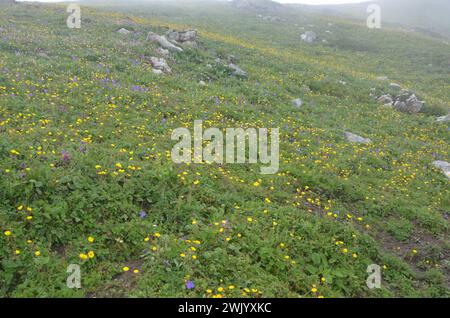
(93, 204)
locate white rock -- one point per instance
(355, 138)
(124, 31)
(308, 37)
(160, 64)
(443, 119)
(297, 103)
(237, 70)
(161, 40)
(443, 166)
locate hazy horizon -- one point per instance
(311, 2)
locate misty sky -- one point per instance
(281, 1)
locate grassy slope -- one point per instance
(333, 209)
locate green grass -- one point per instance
(333, 209)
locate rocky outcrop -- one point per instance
(405, 101)
(182, 36)
(163, 42)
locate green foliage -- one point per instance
(85, 158)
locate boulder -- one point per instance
(411, 106)
(182, 36)
(308, 37)
(123, 31)
(162, 41)
(237, 71)
(355, 138)
(443, 166)
(160, 64)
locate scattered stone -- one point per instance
(182, 36)
(161, 40)
(160, 64)
(202, 83)
(355, 138)
(443, 119)
(297, 103)
(385, 99)
(124, 31)
(411, 106)
(237, 71)
(308, 37)
(443, 166)
(405, 101)
(158, 72)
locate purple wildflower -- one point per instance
(190, 284)
(65, 156)
(142, 214)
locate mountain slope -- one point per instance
(85, 151)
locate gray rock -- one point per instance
(124, 31)
(158, 72)
(355, 138)
(182, 36)
(162, 41)
(202, 83)
(297, 103)
(237, 71)
(160, 64)
(308, 37)
(385, 99)
(400, 106)
(382, 78)
(414, 104)
(443, 119)
(443, 166)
